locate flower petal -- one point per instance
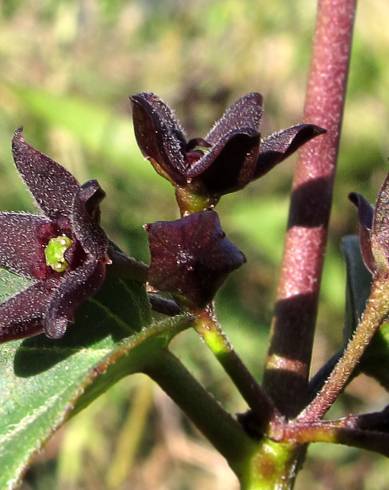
(278, 146)
(52, 186)
(22, 315)
(159, 135)
(20, 247)
(380, 229)
(230, 164)
(75, 288)
(85, 217)
(365, 213)
(245, 113)
(191, 256)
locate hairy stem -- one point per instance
(376, 311)
(293, 325)
(218, 426)
(209, 329)
(343, 431)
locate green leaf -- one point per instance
(43, 382)
(358, 284)
(375, 360)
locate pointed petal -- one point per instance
(20, 247)
(245, 113)
(22, 315)
(365, 213)
(380, 230)
(278, 146)
(75, 287)
(191, 256)
(159, 135)
(230, 164)
(84, 219)
(52, 186)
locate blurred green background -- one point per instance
(66, 70)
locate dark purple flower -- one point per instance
(191, 257)
(374, 229)
(227, 159)
(63, 249)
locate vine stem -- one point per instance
(290, 351)
(377, 309)
(224, 432)
(211, 332)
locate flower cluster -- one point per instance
(191, 257)
(62, 250)
(230, 156)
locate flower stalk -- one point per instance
(211, 332)
(377, 309)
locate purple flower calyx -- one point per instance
(62, 249)
(230, 156)
(191, 257)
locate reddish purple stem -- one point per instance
(290, 351)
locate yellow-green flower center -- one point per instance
(55, 251)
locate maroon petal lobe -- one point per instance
(22, 315)
(380, 229)
(230, 164)
(21, 249)
(191, 256)
(84, 219)
(159, 135)
(278, 146)
(245, 113)
(76, 287)
(52, 186)
(366, 439)
(365, 214)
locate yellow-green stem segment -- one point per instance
(209, 329)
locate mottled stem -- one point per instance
(377, 309)
(293, 325)
(209, 329)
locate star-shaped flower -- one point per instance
(191, 257)
(374, 229)
(62, 249)
(227, 159)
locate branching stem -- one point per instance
(217, 425)
(376, 311)
(210, 330)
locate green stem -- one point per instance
(210, 330)
(376, 311)
(216, 424)
(191, 199)
(272, 467)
